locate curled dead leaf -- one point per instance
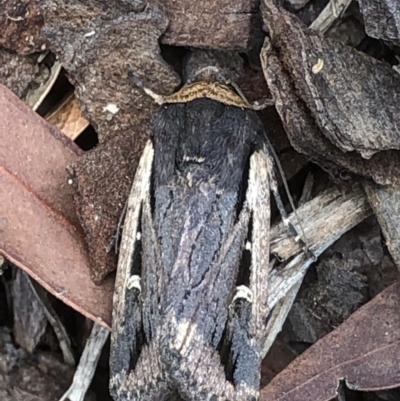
(38, 226)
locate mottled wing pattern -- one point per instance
(198, 199)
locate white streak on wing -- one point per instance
(134, 282)
(243, 292)
(186, 331)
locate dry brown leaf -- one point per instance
(39, 231)
(364, 351)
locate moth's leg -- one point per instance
(116, 237)
(126, 319)
(282, 211)
(281, 208)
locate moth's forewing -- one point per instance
(126, 319)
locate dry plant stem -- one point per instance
(285, 283)
(87, 364)
(331, 213)
(280, 311)
(307, 189)
(279, 315)
(333, 10)
(58, 327)
(325, 219)
(30, 320)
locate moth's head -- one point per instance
(212, 66)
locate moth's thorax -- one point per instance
(204, 138)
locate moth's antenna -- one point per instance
(287, 191)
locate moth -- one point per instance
(188, 319)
